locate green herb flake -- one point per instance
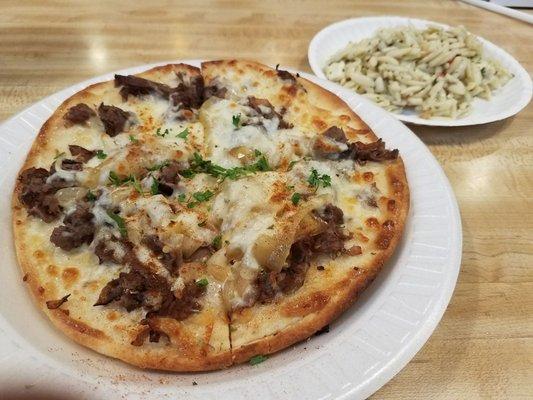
(183, 134)
(217, 242)
(90, 196)
(121, 225)
(203, 196)
(114, 178)
(154, 188)
(236, 120)
(133, 139)
(315, 180)
(162, 134)
(296, 198)
(257, 359)
(136, 185)
(292, 164)
(199, 165)
(101, 155)
(181, 197)
(202, 282)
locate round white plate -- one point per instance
(365, 348)
(505, 102)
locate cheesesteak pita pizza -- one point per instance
(188, 219)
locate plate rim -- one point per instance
(426, 329)
(314, 49)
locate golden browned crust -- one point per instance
(315, 308)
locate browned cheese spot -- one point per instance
(368, 176)
(52, 270)
(372, 223)
(39, 254)
(319, 124)
(70, 275)
(387, 233)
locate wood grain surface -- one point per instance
(483, 347)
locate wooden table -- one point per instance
(483, 348)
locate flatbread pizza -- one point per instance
(188, 219)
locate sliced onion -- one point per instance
(67, 197)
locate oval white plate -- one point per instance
(365, 348)
(505, 102)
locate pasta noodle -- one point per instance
(435, 71)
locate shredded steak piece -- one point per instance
(358, 151)
(113, 118)
(78, 228)
(169, 173)
(264, 108)
(286, 75)
(171, 261)
(288, 280)
(38, 196)
(180, 308)
(136, 86)
(150, 331)
(126, 290)
(79, 113)
(375, 151)
(135, 289)
(54, 304)
(336, 134)
(81, 153)
(71, 165)
(215, 91)
(113, 250)
(332, 214)
(189, 96)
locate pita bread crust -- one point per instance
(165, 358)
(308, 309)
(326, 303)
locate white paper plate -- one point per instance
(365, 348)
(505, 102)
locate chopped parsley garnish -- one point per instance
(202, 282)
(200, 197)
(58, 154)
(217, 242)
(136, 185)
(121, 225)
(315, 180)
(292, 164)
(236, 120)
(90, 196)
(133, 139)
(181, 198)
(154, 188)
(132, 180)
(100, 154)
(163, 134)
(199, 165)
(157, 167)
(258, 359)
(203, 196)
(183, 134)
(114, 178)
(296, 198)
